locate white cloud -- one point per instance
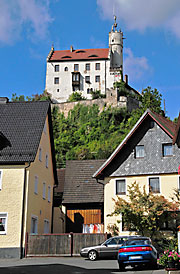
(24, 16)
(136, 67)
(142, 14)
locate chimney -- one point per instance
(126, 79)
(71, 49)
(4, 100)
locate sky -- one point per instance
(28, 28)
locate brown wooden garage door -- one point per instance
(77, 217)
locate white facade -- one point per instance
(84, 70)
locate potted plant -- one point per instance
(169, 259)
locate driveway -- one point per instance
(66, 266)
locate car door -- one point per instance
(109, 248)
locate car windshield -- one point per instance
(111, 241)
(138, 242)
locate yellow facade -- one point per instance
(11, 195)
(36, 204)
(168, 183)
(15, 198)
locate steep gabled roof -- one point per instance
(21, 126)
(79, 185)
(168, 126)
(82, 54)
(177, 133)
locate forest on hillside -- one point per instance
(88, 133)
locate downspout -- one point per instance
(23, 213)
(103, 196)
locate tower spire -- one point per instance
(115, 23)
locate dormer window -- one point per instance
(167, 150)
(139, 152)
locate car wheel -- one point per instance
(121, 267)
(92, 255)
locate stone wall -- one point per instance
(111, 100)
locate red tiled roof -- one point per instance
(167, 125)
(177, 130)
(81, 54)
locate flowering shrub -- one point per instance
(169, 256)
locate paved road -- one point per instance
(66, 266)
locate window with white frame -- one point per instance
(0, 179)
(36, 184)
(44, 190)
(40, 154)
(3, 223)
(46, 161)
(46, 226)
(121, 187)
(34, 224)
(167, 150)
(49, 193)
(139, 151)
(154, 184)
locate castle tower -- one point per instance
(116, 47)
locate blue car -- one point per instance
(136, 251)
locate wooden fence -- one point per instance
(68, 244)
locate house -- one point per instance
(83, 198)
(27, 173)
(149, 155)
(84, 70)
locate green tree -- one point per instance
(151, 99)
(144, 212)
(37, 97)
(76, 96)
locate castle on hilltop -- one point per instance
(87, 71)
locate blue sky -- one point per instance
(151, 48)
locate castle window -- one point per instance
(88, 66)
(66, 69)
(97, 66)
(87, 79)
(97, 78)
(76, 67)
(56, 68)
(56, 80)
(58, 90)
